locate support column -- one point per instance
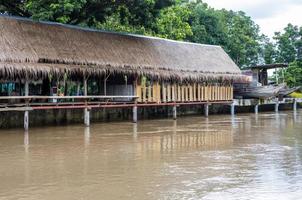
(277, 106)
(206, 110)
(87, 117)
(256, 108)
(86, 110)
(174, 112)
(233, 108)
(294, 104)
(26, 114)
(134, 110)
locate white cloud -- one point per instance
(271, 15)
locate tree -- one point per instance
(172, 23)
(268, 51)
(287, 44)
(293, 74)
(207, 26)
(243, 38)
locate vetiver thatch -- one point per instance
(35, 49)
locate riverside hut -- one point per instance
(45, 59)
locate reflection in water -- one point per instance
(26, 157)
(87, 136)
(220, 157)
(134, 130)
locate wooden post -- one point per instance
(174, 112)
(206, 110)
(86, 110)
(26, 114)
(295, 105)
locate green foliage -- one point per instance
(172, 23)
(293, 74)
(269, 52)
(288, 43)
(192, 21)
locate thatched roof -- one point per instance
(36, 49)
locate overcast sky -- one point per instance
(270, 15)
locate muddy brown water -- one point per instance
(243, 157)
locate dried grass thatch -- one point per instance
(34, 50)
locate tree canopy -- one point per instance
(192, 21)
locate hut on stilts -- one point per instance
(45, 65)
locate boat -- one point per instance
(287, 91)
(259, 92)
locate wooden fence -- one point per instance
(163, 93)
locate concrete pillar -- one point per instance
(256, 108)
(233, 108)
(277, 106)
(86, 110)
(87, 117)
(294, 104)
(206, 110)
(26, 114)
(134, 110)
(26, 120)
(174, 112)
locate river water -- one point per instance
(243, 157)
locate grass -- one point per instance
(296, 95)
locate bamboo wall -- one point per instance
(165, 92)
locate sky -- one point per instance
(270, 15)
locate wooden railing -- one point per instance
(183, 93)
